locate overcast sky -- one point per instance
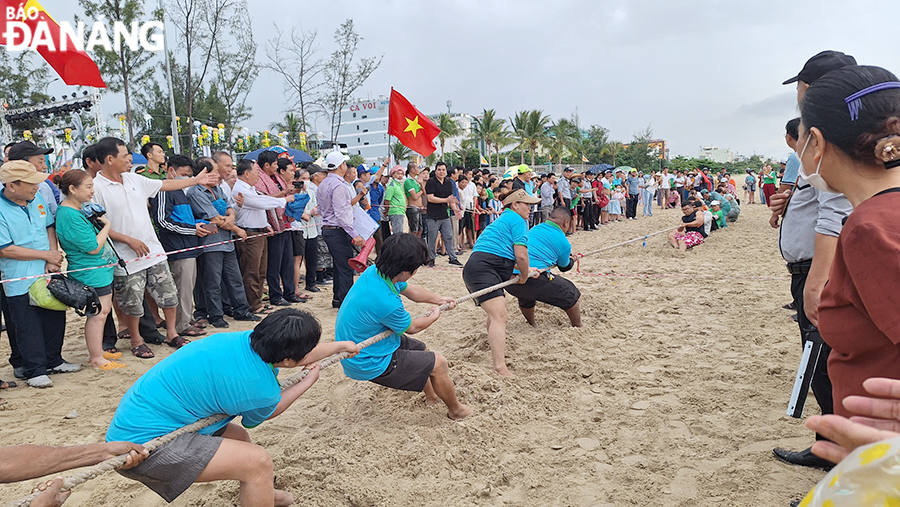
(700, 72)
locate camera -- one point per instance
(299, 185)
(93, 212)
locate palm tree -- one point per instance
(530, 130)
(491, 131)
(449, 128)
(400, 152)
(565, 137)
(463, 148)
(613, 148)
(291, 126)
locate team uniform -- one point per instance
(547, 247)
(493, 257)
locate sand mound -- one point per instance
(673, 393)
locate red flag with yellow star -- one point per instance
(412, 128)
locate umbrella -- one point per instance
(297, 155)
(602, 168)
(138, 159)
(625, 169)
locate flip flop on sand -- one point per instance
(177, 342)
(112, 365)
(143, 352)
(112, 355)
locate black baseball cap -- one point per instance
(27, 149)
(822, 64)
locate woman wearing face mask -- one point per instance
(850, 133)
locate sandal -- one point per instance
(143, 352)
(111, 355)
(192, 331)
(8, 385)
(112, 365)
(177, 342)
(111, 350)
(200, 323)
(124, 335)
(265, 310)
(161, 325)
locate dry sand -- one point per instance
(673, 393)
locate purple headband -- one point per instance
(854, 102)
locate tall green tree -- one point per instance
(529, 129)
(22, 82)
(449, 128)
(491, 130)
(400, 152)
(344, 74)
(291, 126)
(639, 154)
(124, 68)
(295, 58)
(234, 67)
(565, 139)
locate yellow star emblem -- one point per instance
(413, 126)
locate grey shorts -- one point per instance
(410, 367)
(156, 279)
(414, 217)
(171, 469)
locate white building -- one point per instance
(716, 155)
(364, 127)
(466, 122)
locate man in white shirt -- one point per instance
(225, 167)
(124, 195)
(252, 217)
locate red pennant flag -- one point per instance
(412, 128)
(75, 67)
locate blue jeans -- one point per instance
(648, 202)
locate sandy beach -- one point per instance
(673, 393)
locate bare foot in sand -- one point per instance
(430, 401)
(461, 413)
(283, 498)
(504, 371)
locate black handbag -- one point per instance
(83, 299)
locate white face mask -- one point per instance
(815, 179)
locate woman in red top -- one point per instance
(850, 132)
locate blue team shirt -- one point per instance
(24, 226)
(791, 169)
(219, 374)
(372, 306)
(499, 238)
(547, 246)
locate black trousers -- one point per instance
(340, 244)
(590, 217)
(280, 266)
(39, 336)
(631, 203)
(821, 384)
(221, 269)
(311, 258)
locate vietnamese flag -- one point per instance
(412, 128)
(76, 68)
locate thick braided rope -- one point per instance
(116, 462)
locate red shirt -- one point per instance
(859, 316)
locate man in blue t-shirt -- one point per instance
(235, 374)
(547, 247)
(373, 306)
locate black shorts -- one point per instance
(483, 270)
(299, 243)
(551, 289)
(104, 291)
(411, 366)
